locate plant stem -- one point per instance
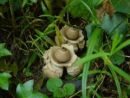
(12, 14)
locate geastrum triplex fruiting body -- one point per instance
(72, 36)
(58, 57)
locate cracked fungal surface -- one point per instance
(58, 57)
(72, 36)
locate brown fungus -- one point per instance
(62, 55)
(72, 36)
(58, 57)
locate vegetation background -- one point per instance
(28, 28)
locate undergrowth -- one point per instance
(28, 29)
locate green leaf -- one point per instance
(83, 8)
(38, 95)
(116, 23)
(53, 84)
(4, 80)
(121, 5)
(30, 2)
(116, 81)
(122, 45)
(117, 69)
(59, 93)
(77, 9)
(118, 58)
(97, 2)
(3, 2)
(26, 91)
(4, 51)
(69, 89)
(90, 57)
(93, 42)
(59, 36)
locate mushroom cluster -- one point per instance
(56, 58)
(72, 36)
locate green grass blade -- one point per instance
(121, 72)
(116, 69)
(124, 44)
(84, 79)
(90, 57)
(93, 41)
(116, 81)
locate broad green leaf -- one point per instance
(4, 51)
(121, 5)
(83, 8)
(118, 58)
(77, 9)
(89, 29)
(59, 93)
(69, 89)
(38, 95)
(116, 23)
(26, 91)
(53, 84)
(4, 80)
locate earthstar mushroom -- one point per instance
(58, 57)
(72, 36)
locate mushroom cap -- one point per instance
(72, 33)
(52, 71)
(62, 55)
(72, 36)
(74, 70)
(69, 58)
(68, 32)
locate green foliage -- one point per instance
(93, 43)
(2, 2)
(122, 5)
(77, 9)
(28, 2)
(31, 27)
(118, 58)
(54, 85)
(115, 24)
(69, 89)
(4, 51)
(4, 80)
(83, 8)
(26, 91)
